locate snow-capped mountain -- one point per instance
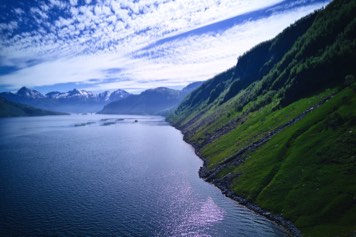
(109, 96)
(152, 101)
(104, 96)
(75, 93)
(118, 95)
(71, 101)
(53, 94)
(28, 93)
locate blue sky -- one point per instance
(133, 45)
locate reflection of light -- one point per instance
(208, 214)
(196, 222)
(188, 214)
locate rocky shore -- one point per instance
(224, 183)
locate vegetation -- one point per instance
(306, 172)
(293, 98)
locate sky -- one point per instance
(98, 45)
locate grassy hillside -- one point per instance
(307, 171)
(279, 128)
(11, 109)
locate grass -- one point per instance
(257, 124)
(307, 172)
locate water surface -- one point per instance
(103, 175)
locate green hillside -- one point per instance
(11, 109)
(279, 128)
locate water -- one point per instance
(99, 175)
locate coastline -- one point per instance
(224, 183)
(277, 219)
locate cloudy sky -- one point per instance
(132, 44)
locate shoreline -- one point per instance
(277, 219)
(224, 183)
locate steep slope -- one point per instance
(158, 101)
(190, 87)
(11, 109)
(278, 128)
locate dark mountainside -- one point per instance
(74, 101)
(12, 109)
(158, 101)
(278, 129)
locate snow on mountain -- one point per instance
(54, 94)
(80, 101)
(73, 101)
(75, 94)
(80, 93)
(104, 96)
(118, 95)
(28, 93)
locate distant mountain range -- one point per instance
(12, 109)
(74, 101)
(152, 101)
(156, 101)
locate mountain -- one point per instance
(118, 95)
(22, 94)
(28, 93)
(54, 94)
(153, 101)
(277, 131)
(190, 87)
(11, 109)
(77, 101)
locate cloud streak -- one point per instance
(152, 42)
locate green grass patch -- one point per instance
(256, 126)
(307, 172)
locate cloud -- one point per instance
(152, 41)
(38, 12)
(19, 11)
(73, 2)
(201, 57)
(57, 4)
(78, 69)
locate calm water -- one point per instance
(99, 175)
